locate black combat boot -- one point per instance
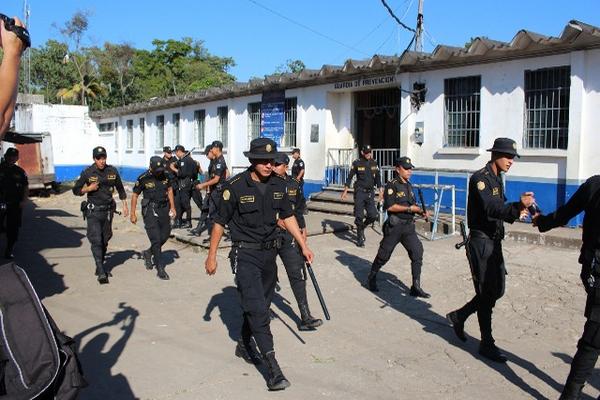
(417, 291)
(457, 324)
(492, 352)
(360, 236)
(245, 350)
(147, 256)
(101, 273)
(186, 225)
(201, 227)
(176, 224)
(308, 322)
(161, 273)
(275, 379)
(571, 391)
(372, 281)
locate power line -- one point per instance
(305, 27)
(402, 24)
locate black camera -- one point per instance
(22, 33)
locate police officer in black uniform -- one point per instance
(487, 212)
(298, 168)
(217, 174)
(14, 188)
(252, 204)
(158, 206)
(99, 181)
(401, 205)
(367, 176)
(289, 252)
(185, 170)
(586, 198)
(205, 208)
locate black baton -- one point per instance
(313, 278)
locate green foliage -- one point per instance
(290, 66)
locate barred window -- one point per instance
(175, 120)
(142, 126)
(547, 93)
(462, 109)
(254, 120)
(106, 127)
(160, 132)
(222, 130)
(129, 124)
(199, 127)
(291, 114)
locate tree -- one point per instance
(114, 63)
(49, 73)
(89, 88)
(290, 66)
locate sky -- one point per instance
(261, 35)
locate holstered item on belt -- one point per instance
(184, 183)
(394, 219)
(84, 209)
(271, 244)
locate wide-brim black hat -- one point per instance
(262, 149)
(505, 146)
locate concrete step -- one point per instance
(330, 207)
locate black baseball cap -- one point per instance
(262, 149)
(179, 147)
(505, 146)
(218, 144)
(403, 162)
(366, 149)
(295, 150)
(207, 149)
(11, 152)
(156, 163)
(281, 158)
(167, 149)
(99, 152)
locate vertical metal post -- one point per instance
(453, 209)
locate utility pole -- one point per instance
(27, 64)
(419, 30)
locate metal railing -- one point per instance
(337, 166)
(385, 157)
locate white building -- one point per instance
(442, 109)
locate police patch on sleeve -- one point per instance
(480, 185)
(226, 194)
(390, 191)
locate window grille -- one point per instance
(253, 120)
(175, 120)
(547, 93)
(142, 126)
(160, 132)
(462, 111)
(222, 129)
(291, 115)
(129, 134)
(199, 127)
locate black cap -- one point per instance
(366, 149)
(99, 152)
(156, 163)
(207, 149)
(167, 149)
(218, 144)
(179, 148)
(403, 162)
(11, 152)
(281, 158)
(505, 146)
(262, 149)
(295, 150)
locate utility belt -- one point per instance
(364, 190)
(154, 205)
(184, 183)
(88, 207)
(394, 220)
(271, 244)
(477, 234)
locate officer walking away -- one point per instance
(298, 167)
(158, 206)
(368, 176)
(14, 188)
(252, 204)
(289, 251)
(217, 174)
(99, 181)
(204, 209)
(487, 212)
(586, 198)
(401, 205)
(185, 170)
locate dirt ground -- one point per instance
(140, 337)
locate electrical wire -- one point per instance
(402, 24)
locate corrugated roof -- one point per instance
(575, 36)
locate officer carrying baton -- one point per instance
(313, 278)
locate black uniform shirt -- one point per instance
(169, 171)
(217, 167)
(13, 181)
(486, 208)
(152, 188)
(367, 174)
(296, 196)
(586, 198)
(187, 168)
(398, 192)
(108, 179)
(251, 216)
(298, 167)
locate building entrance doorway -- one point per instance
(377, 118)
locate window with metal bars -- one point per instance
(160, 132)
(462, 109)
(291, 115)
(254, 120)
(142, 126)
(199, 126)
(176, 120)
(129, 124)
(222, 129)
(546, 119)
